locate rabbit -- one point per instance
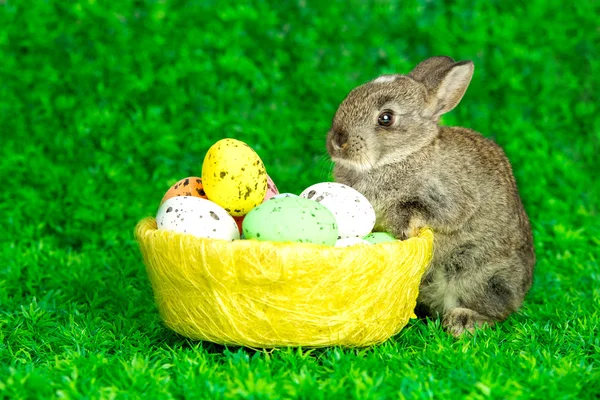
(386, 142)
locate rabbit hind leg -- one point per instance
(459, 321)
(483, 296)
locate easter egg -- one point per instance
(190, 186)
(283, 195)
(198, 217)
(239, 220)
(354, 214)
(234, 176)
(379, 237)
(291, 219)
(351, 241)
(271, 189)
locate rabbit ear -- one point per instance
(425, 71)
(447, 86)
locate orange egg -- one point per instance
(190, 186)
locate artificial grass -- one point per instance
(103, 107)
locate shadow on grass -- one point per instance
(414, 336)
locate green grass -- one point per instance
(102, 108)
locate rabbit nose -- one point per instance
(339, 140)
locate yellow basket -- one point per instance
(267, 294)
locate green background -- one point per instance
(103, 105)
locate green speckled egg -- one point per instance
(379, 237)
(291, 219)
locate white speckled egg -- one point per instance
(351, 241)
(198, 217)
(354, 214)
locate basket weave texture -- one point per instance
(268, 294)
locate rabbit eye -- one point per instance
(385, 119)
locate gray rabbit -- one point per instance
(386, 143)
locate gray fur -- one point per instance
(417, 173)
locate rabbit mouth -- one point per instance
(362, 164)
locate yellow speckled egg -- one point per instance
(234, 176)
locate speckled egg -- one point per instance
(351, 241)
(354, 214)
(190, 186)
(234, 176)
(283, 195)
(198, 217)
(379, 237)
(239, 220)
(271, 189)
(291, 219)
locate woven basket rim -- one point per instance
(147, 227)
